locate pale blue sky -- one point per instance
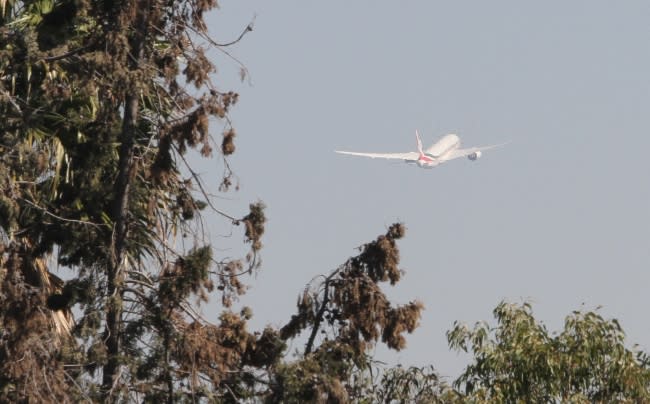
(560, 216)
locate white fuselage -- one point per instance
(443, 146)
(435, 154)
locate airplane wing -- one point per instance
(466, 152)
(411, 156)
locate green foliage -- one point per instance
(188, 275)
(307, 381)
(519, 361)
(411, 385)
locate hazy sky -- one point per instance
(559, 217)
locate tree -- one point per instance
(95, 132)
(344, 315)
(103, 103)
(519, 361)
(405, 385)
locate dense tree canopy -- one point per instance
(104, 104)
(96, 127)
(520, 361)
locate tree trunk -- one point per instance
(118, 251)
(115, 270)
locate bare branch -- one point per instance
(11, 100)
(197, 177)
(47, 212)
(67, 54)
(319, 318)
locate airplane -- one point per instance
(445, 149)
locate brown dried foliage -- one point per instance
(198, 69)
(32, 338)
(188, 275)
(211, 350)
(215, 352)
(254, 222)
(228, 144)
(351, 300)
(230, 283)
(352, 313)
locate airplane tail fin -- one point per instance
(419, 143)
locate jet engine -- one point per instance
(474, 156)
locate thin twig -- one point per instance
(79, 388)
(67, 54)
(44, 210)
(221, 47)
(196, 176)
(11, 100)
(249, 28)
